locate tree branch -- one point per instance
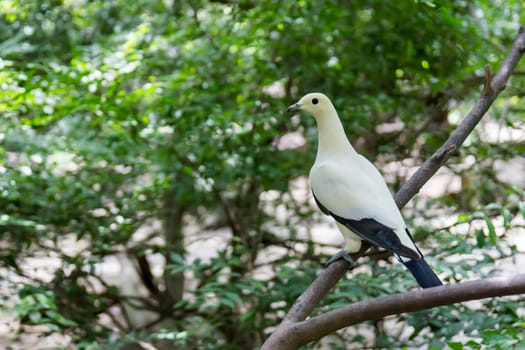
(415, 300)
(286, 336)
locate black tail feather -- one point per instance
(423, 273)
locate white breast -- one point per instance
(351, 187)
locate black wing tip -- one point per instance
(408, 253)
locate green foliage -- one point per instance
(218, 304)
(133, 130)
(39, 307)
(503, 337)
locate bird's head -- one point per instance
(315, 103)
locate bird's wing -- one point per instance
(374, 232)
(353, 191)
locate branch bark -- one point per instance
(317, 327)
(289, 333)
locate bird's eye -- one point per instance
(315, 101)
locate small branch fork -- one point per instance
(294, 331)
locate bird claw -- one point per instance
(342, 254)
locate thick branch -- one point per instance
(416, 300)
(304, 305)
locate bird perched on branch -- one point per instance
(349, 188)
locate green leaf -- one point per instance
(521, 207)
(455, 345)
(462, 218)
(177, 259)
(228, 302)
(473, 344)
(55, 316)
(492, 231)
(232, 296)
(507, 217)
(480, 238)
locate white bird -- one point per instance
(349, 188)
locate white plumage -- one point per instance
(351, 189)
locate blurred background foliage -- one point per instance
(153, 188)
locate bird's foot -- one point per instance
(342, 254)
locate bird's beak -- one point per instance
(294, 107)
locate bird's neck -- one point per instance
(332, 138)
